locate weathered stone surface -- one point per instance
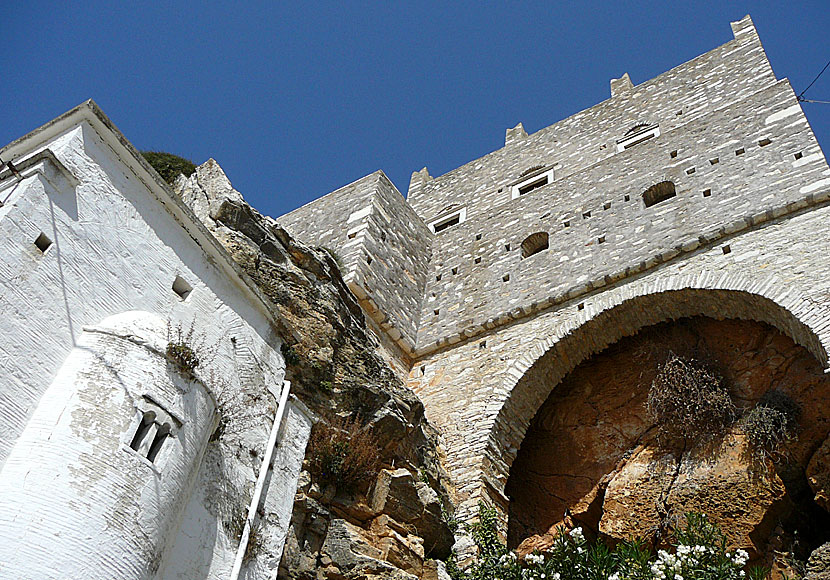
(818, 474)
(818, 566)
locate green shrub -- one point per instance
(169, 166)
(699, 553)
(290, 355)
(343, 453)
(688, 401)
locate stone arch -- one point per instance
(622, 312)
(534, 243)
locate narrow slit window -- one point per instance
(143, 429)
(658, 193)
(637, 135)
(162, 434)
(740, 151)
(764, 142)
(714, 161)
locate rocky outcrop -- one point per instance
(592, 456)
(390, 527)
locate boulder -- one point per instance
(405, 499)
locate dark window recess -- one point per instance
(798, 155)
(673, 154)
(541, 182)
(534, 243)
(505, 278)
(714, 161)
(690, 171)
(707, 192)
(42, 242)
(740, 151)
(150, 436)
(659, 192)
(181, 287)
(764, 142)
(453, 221)
(726, 249)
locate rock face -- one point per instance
(389, 528)
(592, 456)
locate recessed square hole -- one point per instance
(627, 198)
(601, 240)
(368, 259)
(455, 271)
(586, 215)
(764, 142)
(501, 189)
(799, 155)
(482, 344)
(740, 151)
(678, 113)
(478, 260)
(607, 206)
(436, 311)
(42, 242)
(726, 249)
(580, 306)
(673, 154)
(603, 146)
(714, 161)
(181, 287)
(707, 192)
(506, 247)
(690, 170)
(478, 236)
(438, 278)
(352, 235)
(505, 278)
(567, 224)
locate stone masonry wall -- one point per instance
(750, 158)
(482, 396)
(383, 246)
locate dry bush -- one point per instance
(342, 452)
(771, 423)
(688, 401)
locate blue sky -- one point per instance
(296, 99)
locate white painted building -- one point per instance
(106, 465)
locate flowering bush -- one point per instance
(699, 554)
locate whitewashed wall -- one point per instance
(74, 502)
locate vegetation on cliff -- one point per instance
(168, 165)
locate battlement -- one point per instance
(710, 148)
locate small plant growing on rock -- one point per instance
(343, 453)
(688, 401)
(771, 423)
(290, 355)
(181, 349)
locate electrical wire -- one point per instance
(801, 96)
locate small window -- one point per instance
(181, 287)
(42, 242)
(707, 192)
(798, 155)
(714, 161)
(637, 135)
(658, 193)
(531, 183)
(764, 142)
(690, 171)
(740, 151)
(447, 221)
(150, 436)
(534, 243)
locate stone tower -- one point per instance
(700, 192)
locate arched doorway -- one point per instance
(592, 456)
